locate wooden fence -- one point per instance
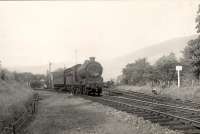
(15, 125)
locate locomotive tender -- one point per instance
(84, 78)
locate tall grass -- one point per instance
(13, 98)
(185, 92)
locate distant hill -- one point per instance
(114, 67)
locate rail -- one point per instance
(183, 117)
(155, 111)
(166, 100)
(160, 104)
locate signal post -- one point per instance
(178, 69)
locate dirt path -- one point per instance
(66, 114)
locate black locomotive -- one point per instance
(84, 78)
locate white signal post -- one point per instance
(178, 69)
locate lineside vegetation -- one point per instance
(15, 93)
(162, 74)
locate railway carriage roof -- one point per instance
(71, 68)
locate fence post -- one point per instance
(32, 108)
(13, 129)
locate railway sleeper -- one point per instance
(144, 115)
(194, 117)
(188, 114)
(192, 131)
(132, 111)
(138, 112)
(159, 120)
(170, 123)
(135, 110)
(181, 127)
(164, 100)
(149, 117)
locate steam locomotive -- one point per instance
(84, 78)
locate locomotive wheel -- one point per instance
(73, 90)
(83, 90)
(78, 90)
(70, 89)
(98, 93)
(86, 91)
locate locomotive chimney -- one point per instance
(92, 58)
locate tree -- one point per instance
(166, 68)
(137, 72)
(191, 52)
(198, 20)
(194, 54)
(186, 62)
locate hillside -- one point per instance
(113, 68)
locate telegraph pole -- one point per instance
(75, 56)
(64, 76)
(0, 66)
(50, 66)
(0, 69)
(50, 76)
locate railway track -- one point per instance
(174, 116)
(153, 98)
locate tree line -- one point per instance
(32, 80)
(7, 75)
(141, 72)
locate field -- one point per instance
(184, 93)
(13, 98)
(66, 114)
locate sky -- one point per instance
(34, 33)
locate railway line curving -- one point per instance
(159, 99)
(174, 116)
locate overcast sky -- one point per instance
(34, 33)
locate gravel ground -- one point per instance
(66, 114)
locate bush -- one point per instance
(13, 98)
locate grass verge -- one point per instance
(13, 99)
(184, 93)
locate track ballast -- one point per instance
(177, 116)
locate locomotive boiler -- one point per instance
(84, 78)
